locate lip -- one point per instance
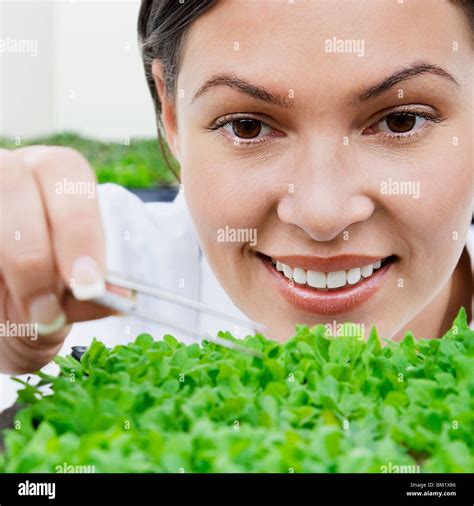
(334, 302)
(331, 264)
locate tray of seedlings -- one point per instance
(316, 403)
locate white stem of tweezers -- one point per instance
(129, 307)
(179, 299)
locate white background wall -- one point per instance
(87, 76)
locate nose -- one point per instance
(329, 193)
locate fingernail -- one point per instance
(87, 281)
(46, 312)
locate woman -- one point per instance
(326, 163)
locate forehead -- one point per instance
(308, 43)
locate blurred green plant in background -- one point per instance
(140, 164)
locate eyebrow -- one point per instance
(264, 95)
(415, 69)
(236, 83)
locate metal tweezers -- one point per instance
(124, 300)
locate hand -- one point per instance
(51, 243)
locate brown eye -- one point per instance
(246, 128)
(400, 123)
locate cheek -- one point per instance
(445, 199)
(435, 224)
(225, 198)
(225, 189)
(216, 201)
(451, 197)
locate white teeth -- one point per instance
(316, 279)
(353, 276)
(367, 270)
(299, 275)
(325, 281)
(287, 271)
(336, 279)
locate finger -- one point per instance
(68, 188)
(26, 254)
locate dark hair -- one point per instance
(468, 8)
(162, 26)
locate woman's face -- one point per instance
(329, 136)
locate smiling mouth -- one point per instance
(345, 282)
(329, 281)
